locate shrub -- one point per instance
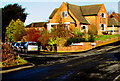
(91, 38)
(74, 40)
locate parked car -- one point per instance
(30, 46)
(12, 44)
(16, 46)
(21, 46)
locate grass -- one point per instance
(21, 60)
(105, 37)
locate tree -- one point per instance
(10, 12)
(15, 30)
(45, 35)
(32, 35)
(10, 30)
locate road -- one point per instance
(94, 65)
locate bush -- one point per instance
(91, 38)
(74, 40)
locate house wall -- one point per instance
(102, 20)
(93, 23)
(115, 28)
(57, 19)
(36, 28)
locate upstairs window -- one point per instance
(63, 14)
(102, 15)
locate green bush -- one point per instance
(91, 38)
(74, 40)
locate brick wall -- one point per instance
(86, 45)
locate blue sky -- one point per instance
(40, 10)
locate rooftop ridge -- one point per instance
(92, 5)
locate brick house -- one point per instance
(113, 26)
(84, 18)
(116, 16)
(41, 26)
(114, 23)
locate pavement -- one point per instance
(18, 68)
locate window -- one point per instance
(63, 14)
(84, 28)
(40, 29)
(102, 27)
(102, 15)
(66, 26)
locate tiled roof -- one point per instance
(53, 13)
(37, 24)
(113, 21)
(91, 9)
(116, 15)
(76, 11)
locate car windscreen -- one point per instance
(17, 44)
(23, 43)
(32, 44)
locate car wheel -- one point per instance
(26, 51)
(20, 50)
(23, 50)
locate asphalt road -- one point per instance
(100, 66)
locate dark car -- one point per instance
(21, 46)
(12, 44)
(16, 46)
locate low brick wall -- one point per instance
(75, 48)
(86, 45)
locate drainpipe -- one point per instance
(113, 29)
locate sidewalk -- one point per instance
(15, 68)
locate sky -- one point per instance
(40, 10)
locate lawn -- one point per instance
(105, 37)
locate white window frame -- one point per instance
(104, 25)
(65, 14)
(86, 28)
(102, 16)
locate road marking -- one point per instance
(116, 78)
